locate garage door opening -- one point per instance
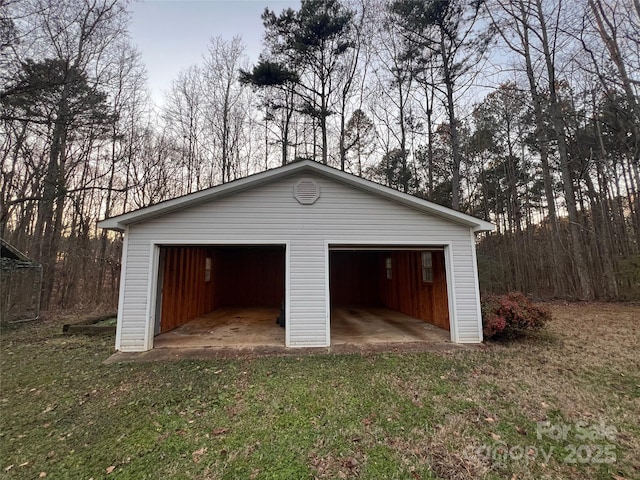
(220, 296)
(388, 295)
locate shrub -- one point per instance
(510, 314)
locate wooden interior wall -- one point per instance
(358, 278)
(240, 277)
(250, 277)
(440, 296)
(255, 277)
(408, 294)
(354, 278)
(185, 294)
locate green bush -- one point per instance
(510, 314)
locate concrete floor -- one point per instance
(256, 327)
(227, 327)
(366, 326)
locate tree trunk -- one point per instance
(585, 288)
(453, 126)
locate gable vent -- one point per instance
(306, 191)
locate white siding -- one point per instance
(270, 213)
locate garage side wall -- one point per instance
(269, 213)
(407, 293)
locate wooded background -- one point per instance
(522, 112)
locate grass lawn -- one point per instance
(467, 414)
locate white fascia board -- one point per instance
(119, 222)
(409, 200)
(144, 213)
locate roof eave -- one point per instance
(119, 222)
(484, 227)
(424, 205)
(111, 224)
(21, 257)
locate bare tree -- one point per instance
(73, 36)
(226, 101)
(183, 113)
(445, 28)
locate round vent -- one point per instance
(306, 191)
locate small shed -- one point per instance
(20, 285)
(308, 242)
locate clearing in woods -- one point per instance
(463, 414)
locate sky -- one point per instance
(172, 35)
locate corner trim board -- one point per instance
(123, 276)
(477, 283)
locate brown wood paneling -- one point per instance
(358, 278)
(353, 279)
(250, 276)
(440, 297)
(214, 300)
(408, 294)
(240, 277)
(185, 294)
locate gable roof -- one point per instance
(8, 251)
(305, 166)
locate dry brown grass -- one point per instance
(584, 368)
(584, 342)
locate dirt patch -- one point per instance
(330, 466)
(584, 341)
(598, 334)
(205, 353)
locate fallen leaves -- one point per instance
(50, 408)
(197, 455)
(350, 463)
(369, 420)
(254, 474)
(111, 469)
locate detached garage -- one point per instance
(306, 247)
